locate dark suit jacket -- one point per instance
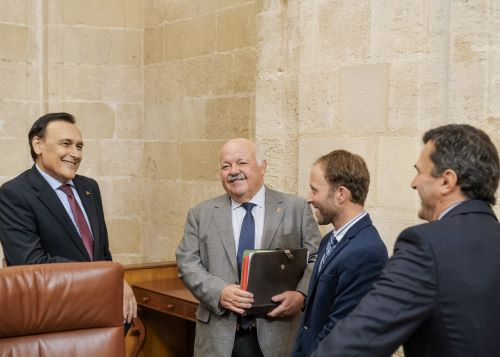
(35, 228)
(439, 294)
(346, 276)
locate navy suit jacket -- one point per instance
(346, 276)
(438, 296)
(35, 228)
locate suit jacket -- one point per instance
(35, 228)
(439, 295)
(347, 275)
(206, 259)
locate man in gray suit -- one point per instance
(207, 258)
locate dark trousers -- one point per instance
(246, 344)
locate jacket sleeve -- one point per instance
(401, 299)
(19, 233)
(205, 286)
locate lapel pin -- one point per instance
(88, 194)
(279, 210)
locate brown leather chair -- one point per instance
(69, 309)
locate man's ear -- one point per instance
(343, 194)
(262, 167)
(450, 180)
(36, 142)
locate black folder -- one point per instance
(266, 273)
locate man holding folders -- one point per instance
(350, 257)
(440, 293)
(217, 231)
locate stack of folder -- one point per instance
(266, 273)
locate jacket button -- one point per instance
(306, 327)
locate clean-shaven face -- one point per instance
(59, 152)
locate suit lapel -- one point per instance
(54, 206)
(223, 221)
(273, 214)
(88, 202)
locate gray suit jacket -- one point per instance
(206, 259)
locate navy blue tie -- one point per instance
(247, 233)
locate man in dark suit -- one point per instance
(48, 214)
(350, 257)
(440, 293)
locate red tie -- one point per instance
(80, 220)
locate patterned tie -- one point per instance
(247, 233)
(332, 242)
(81, 223)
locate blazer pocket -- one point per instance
(287, 241)
(327, 278)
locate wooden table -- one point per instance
(173, 334)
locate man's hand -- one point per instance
(235, 299)
(129, 303)
(290, 303)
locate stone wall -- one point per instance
(158, 85)
(371, 77)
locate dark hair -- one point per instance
(342, 168)
(38, 128)
(470, 153)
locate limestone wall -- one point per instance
(371, 77)
(158, 85)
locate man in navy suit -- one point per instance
(42, 223)
(440, 293)
(350, 257)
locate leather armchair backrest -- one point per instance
(67, 309)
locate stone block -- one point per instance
(229, 118)
(395, 160)
(161, 161)
(363, 97)
(95, 120)
(14, 79)
(175, 120)
(79, 82)
(15, 156)
(156, 245)
(124, 84)
(15, 119)
(223, 73)
(13, 42)
(155, 12)
(236, 28)
(190, 38)
(164, 82)
(13, 11)
(121, 196)
(344, 29)
(245, 70)
(86, 45)
(200, 160)
(92, 159)
(109, 13)
(129, 121)
(135, 14)
(180, 9)
(399, 29)
(318, 96)
(222, 4)
(126, 47)
(198, 76)
(121, 157)
(404, 96)
(153, 45)
(125, 235)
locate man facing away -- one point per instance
(210, 252)
(350, 257)
(49, 214)
(439, 293)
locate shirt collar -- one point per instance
(54, 183)
(259, 199)
(340, 233)
(449, 209)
